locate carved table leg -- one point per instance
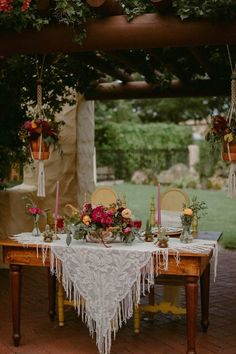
(205, 286)
(51, 294)
(191, 305)
(15, 283)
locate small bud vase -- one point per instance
(36, 232)
(186, 236)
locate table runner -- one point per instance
(110, 280)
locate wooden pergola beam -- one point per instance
(104, 66)
(162, 5)
(141, 89)
(106, 7)
(115, 32)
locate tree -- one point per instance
(172, 110)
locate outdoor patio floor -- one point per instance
(166, 335)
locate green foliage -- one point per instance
(207, 166)
(178, 109)
(129, 146)
(211, 9)
(198, 207)
(76, 13)
(144, 136)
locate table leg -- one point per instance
(15, 284)
(60, 299)
(205, 286)
(191, 306)
(51, 294)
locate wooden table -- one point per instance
(192, 268)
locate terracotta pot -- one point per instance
(232, 148)
(35, 146)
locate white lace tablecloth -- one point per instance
(110, 280)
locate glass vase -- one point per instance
(36, 232)
(186, 236)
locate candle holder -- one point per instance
(148, 235)
(55, 236)
(162, 239)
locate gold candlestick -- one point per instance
(123, 202)
(152, 212)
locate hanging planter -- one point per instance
(39, 134)
(229, 152)
(39, 149)
(223, 129)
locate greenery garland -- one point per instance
(77, 12)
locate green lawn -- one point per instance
(221, 213)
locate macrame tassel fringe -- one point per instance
(232, 180)
(41, 180)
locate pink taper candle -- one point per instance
(158, 205)
(56, 202)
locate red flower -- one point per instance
(97, 214)
(107, 220)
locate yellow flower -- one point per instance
(188, 211)
(86, 220)
(126, 213)
(228, 137)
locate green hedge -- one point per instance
(129, 146)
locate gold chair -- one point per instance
(172, 200)
(104, 196)
(101, 196)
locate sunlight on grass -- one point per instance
(221, 213)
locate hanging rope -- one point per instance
(231, 113)
(40, 113)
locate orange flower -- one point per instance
(188, 211)
(33, 125)
(86, 220)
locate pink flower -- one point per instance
(126, 213)
(35, 211)
(127, 230)
(25, 5)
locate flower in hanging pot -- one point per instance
(223, 131)
(41, 133)
(8, 6)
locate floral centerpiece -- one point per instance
(47, 130)
(105, 224)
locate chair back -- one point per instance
(173, 199)
(104, 196)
